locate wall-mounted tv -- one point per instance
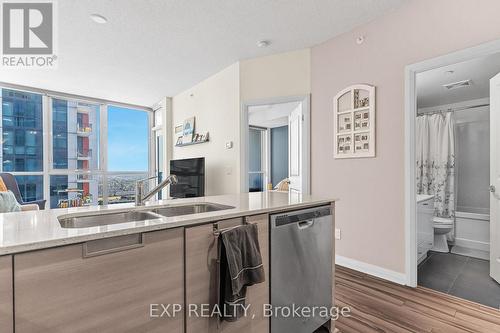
(190, 173)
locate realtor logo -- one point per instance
(28, 34)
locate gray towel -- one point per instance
(240, 266)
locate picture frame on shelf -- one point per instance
(188, 130)
(178, 129)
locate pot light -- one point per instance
(263, 43)
(98, 18)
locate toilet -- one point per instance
(442, 226)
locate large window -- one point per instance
(128, 153)
(53, 147)
(22, 141)
(75, 153)
(257, 153)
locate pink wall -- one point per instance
(371, 191)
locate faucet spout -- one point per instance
(141, 198)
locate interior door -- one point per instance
(295, 150)
(495, 178)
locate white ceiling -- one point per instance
(430, 90)
(271, 115)
(155, 48)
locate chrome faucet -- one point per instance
(141, 198)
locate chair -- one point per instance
(11, 184)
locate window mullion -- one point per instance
(47, 144)
(103, 151)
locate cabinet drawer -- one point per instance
(6, 299)
(61, 290)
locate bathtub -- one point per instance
(472, 230)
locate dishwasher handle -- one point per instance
(305, 224)
(300, 216)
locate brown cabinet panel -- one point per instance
(6, 298)
(201, 279)
(58, 290)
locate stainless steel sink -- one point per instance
(106, 218)
(94, 220)
(196, 208)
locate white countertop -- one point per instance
(424, 197)
(26, 231)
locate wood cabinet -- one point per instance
(201, 279)
(104, 285)
(6, 298)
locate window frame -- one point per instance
(48, 169)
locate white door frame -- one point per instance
(410, 118)
(306, 137)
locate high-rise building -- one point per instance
(75, 133)
(22, 140)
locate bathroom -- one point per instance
(452, 131)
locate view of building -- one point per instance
(22, 135)
(71, 173)
(75, 142)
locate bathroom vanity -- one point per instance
(115, 269)
(425, 227)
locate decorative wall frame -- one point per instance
(354, 122)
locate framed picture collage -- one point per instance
(354, 122)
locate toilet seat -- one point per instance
(442, 222)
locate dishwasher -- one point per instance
(301, 268)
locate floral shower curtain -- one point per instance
(436, 160)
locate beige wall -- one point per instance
(215, 103)
(371, 210)
(279, 75)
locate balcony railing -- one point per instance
(84, 129)
(84, 154)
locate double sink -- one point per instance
(137, 215)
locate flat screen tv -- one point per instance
(190, 173)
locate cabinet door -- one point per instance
(6, 299)
(201, 279)
(105, 285)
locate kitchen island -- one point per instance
(60, 276)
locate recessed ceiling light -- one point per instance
(98, 18)
(263, 43)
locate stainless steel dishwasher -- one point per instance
(301, 268)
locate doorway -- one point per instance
(275, 153)
(451, 216)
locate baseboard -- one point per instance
(472, 244)
(370, 269)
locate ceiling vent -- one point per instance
(459, 84)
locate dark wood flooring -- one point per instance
(381, 306)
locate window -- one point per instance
(22, 131)
(75, 150)
(257, 153)
(67, 168)
(128, 152)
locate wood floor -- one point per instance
(381, 306)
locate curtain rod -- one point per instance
(58, 94)
(454, 109)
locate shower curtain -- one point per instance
(436, 161)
